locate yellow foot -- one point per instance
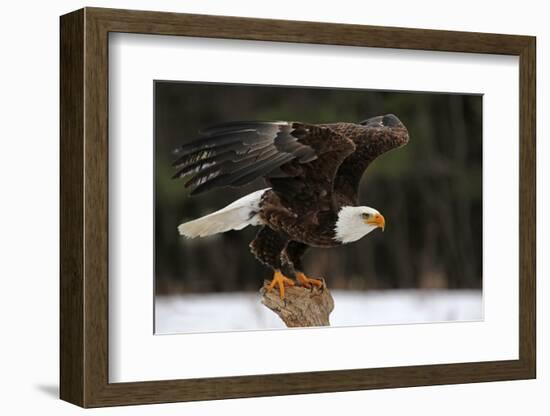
(280, 280)
(307, 282)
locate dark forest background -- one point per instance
(429, 191)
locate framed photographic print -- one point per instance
(255, 207)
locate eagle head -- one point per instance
(354, 223)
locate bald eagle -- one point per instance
(313, 173)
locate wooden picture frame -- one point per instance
(84, 207)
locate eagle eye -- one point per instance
(366, 215)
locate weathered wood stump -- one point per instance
(301, 306)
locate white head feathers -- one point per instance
(355, 222)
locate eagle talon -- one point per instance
(307, 281)
(280, 280)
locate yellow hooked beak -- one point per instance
(377, 220)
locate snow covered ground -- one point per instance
(243, 311)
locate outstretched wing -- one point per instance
(286, 153)
(372, 138)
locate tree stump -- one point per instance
(301, 306)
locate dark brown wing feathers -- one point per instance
(235, 154)
(303, 163)
(309, 186)
(372, 138)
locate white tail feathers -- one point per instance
(235, 216)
